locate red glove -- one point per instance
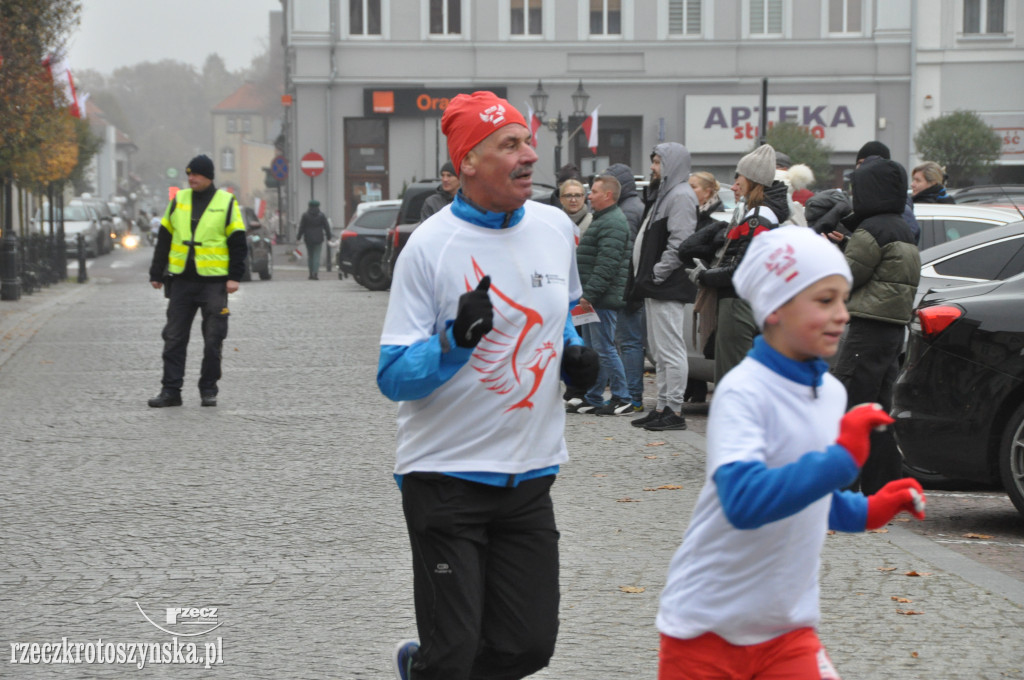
(901, 495)
(855, 430)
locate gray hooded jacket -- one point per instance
(657, 270)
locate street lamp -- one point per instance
(558, 124)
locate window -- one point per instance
(605, 17)
(845, 16)
(684, 17)
(227, 159)
(984, 16)
(364, 17)
(526, 17)
(766, 17)
(980, 263)
(246, 124)
(232, 124)
(445, 17)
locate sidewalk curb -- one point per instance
(961, 566)
(17, 326)
(950, 561)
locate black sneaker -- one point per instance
(208, 399)
(642, 421)
(586, 407)
(616, 407)
(165, 398)
(572, 404)
(670, 420)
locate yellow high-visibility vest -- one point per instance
(210, 241)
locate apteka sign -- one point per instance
(729, 124)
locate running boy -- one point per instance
(742, 590)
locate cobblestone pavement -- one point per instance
(278, 508)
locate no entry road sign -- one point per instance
(312, 164)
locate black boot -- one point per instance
(166, 398)
(208, 399)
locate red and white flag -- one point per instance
(60, 73)
(260, 206)
(535, 124)
(590, 130)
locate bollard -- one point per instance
(328, 256)
(83, 276)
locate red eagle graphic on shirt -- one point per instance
(505, 356)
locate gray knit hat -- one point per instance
(758, 165)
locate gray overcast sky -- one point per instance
(115, 33)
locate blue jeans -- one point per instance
(601, 338)
(629, 336)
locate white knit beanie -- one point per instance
(782, 262)
(758, 165)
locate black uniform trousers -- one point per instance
(867, 364)
(485, 576)
(186, 297)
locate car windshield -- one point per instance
(72, 213)
(381, 218)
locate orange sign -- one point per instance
(286, 100)
(383, 101)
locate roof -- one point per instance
(250, 97)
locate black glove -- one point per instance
(475, 316)
(580, 365)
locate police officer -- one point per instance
(200, 256)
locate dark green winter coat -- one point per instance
(603, 258)
(883, 258)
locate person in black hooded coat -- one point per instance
(886, 268)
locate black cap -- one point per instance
(314, 203)
(874, 148)
(448, 167)
(782, 160)
(200, 165)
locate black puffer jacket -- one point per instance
(883, 258)
(708, 237)
(739, 237)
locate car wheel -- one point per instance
(370, 273)
(1011, 458)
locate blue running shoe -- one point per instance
(405, 652)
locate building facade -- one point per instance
(370, 78)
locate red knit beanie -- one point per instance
(470, 118)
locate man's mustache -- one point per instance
(522, 171)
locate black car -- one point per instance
(361, 251)
(406, 219)
(959, 400)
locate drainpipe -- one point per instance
(912, 117)
(329, 113)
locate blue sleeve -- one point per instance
(752, 494)
(570, 336)
(849, 511)
(408, 372)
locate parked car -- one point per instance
(994, 254)
(1002, 194)
(409, 216)
(943, 222)
(261, 247)
(959, 400)
(406, 220)
(78, 219)
(361, 247)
